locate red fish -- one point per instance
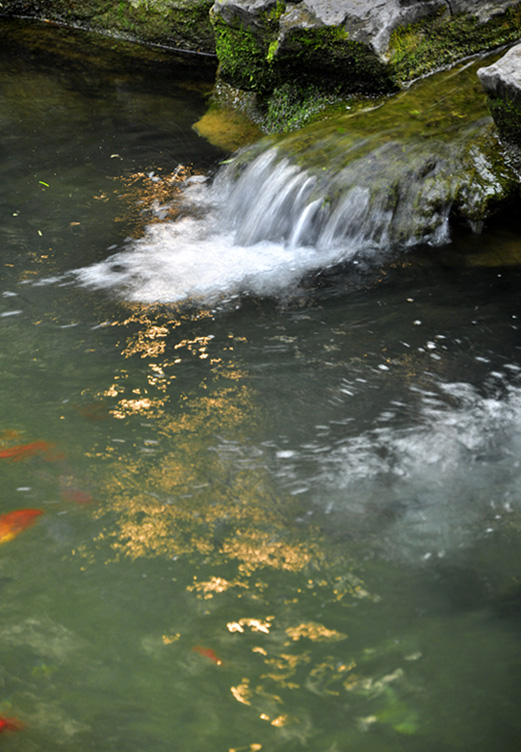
(13, 523)
(21, 451)
(207, 653)
(10, 724)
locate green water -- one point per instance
(318, 492)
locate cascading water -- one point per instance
(264, 526)
(353, 188)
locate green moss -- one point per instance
(181, 24)
(439, 41)
(247, 55)
(242, 56)
(272, 50)
(327, 58)
(176, 23)
(506, 112)
(289, 107)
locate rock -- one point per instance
(502, 84)
(364, 21)
(296, 56)
(331, 48)
(182, 24)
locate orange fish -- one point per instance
(10, 724)
(21, 451)
(207, 653)
(12, 523)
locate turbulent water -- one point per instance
(269, 415)
(357, 188)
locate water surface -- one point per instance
(277, 516)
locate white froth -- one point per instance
(259, 232)
(181, 261)
(437, 485)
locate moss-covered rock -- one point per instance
(443, 39)
(183, 24)
(396, 174)
(299, 57)
(262, 45)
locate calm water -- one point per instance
(288, 520)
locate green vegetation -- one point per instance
(246, 55)
(506, 112)
(289, 107)
(441, 40)
(176, 23)
(242, 56)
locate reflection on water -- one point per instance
(281, 524)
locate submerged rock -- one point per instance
(502, 84)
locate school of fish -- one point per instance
(14, 522)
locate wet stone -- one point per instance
(502, 84)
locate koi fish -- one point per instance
(10, 724)
(13, 523)
(207, 653)
(21, 451)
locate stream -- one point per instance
(276, 453)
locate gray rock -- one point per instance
(369, 21)
(365, 21)
(502, 84)
(483, 10)
(503, 78)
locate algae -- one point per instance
(441, 40)
(183, 24)
(227, 128)
(506, 111)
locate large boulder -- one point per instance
(349, 45)
(283, 60)
(502, 84)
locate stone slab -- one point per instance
(503, 78)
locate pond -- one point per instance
(285, 519)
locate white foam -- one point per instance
(257, 232)
(181, 261)
(433, 485)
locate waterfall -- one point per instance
(355, 189)
(276, 214)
